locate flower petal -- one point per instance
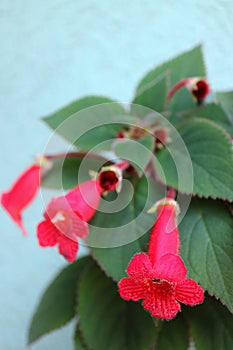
(84, 198)
(189, 292)
(65, 219)
(21, 194)
(170, 267)
(161, 305)
(47, 234)
(67, 247)
(130, 289)
(140, 266)
(164, 237)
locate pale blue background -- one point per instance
(53, 52)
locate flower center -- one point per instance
(108, 180)
(62, 222)
(160, 287)
(201, 89)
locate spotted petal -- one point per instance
(189, 292)
(68, 222)
(161, 305)
(47, 234)
(130, 289)
(170, 267)
(140, 266)
(67, 247)
(84, 198)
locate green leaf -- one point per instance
(152, 89)
(115, 236)
(106, 320)
(179, 104)
(55, 119)
(138, 152)
(226, 100)
(57, 305)
(213, 112)
(211, 325)
(207, 247)
(153, 94)
(67, 172)
(79, 343)
(173, 335)
(89, 122)
(211, 153)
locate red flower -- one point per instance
(66, 217)
(198, 87)
(159, 277)
(21, 194)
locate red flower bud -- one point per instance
(200, 90)
(198, 87)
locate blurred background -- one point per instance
(53, 52)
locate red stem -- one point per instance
(123, 165)
(175, 88)
(74, 155)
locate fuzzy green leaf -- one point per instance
(88, 122)
(57, 305)
(66, 173)
(207, 247)
(78, 340)
(116, 236)
(152, 89)
(211, 154)
(107, 321)
(138, 152)
(210, 111)
(211, 326)
(173, 335)
(226, 100)
(153, 95)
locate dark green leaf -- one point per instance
(79, 343)
(107, 321)
(89, 122)
(207, 247)
(115, 236)
(66, 173)
(57, 305)
(151, 91)
(173, 335)
(211, 153)
(211, 326)
(138, 152)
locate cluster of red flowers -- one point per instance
(66, 217)
(158, 276)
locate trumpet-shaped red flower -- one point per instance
(21, 194)
(66, 217)
(198, 87)
(159, 277)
